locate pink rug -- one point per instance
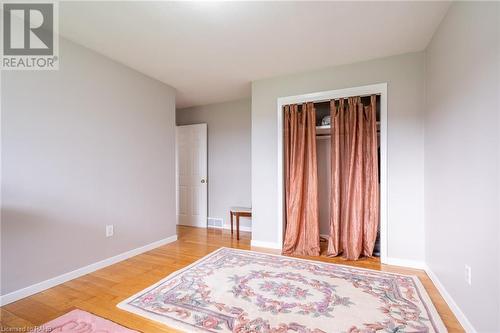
(78, 321)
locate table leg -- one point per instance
(238, 226)
(231, 218)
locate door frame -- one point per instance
(177, 178)
(379, 89)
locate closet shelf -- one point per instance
(323, 130)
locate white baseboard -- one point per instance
(204, 226)
(403, 262)
(466, 324)
(228, 227)
(268, 245)
(41, 286)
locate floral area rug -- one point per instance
(244, 291)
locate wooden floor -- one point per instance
(99, 292)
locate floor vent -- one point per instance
(215, 222)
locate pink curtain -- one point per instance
(301, 181)
(354, 209)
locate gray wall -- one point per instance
(461, 159)
(88, 145)
(229, 154)
(405, 77)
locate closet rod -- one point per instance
(329, 99)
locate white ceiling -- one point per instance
(211, 51)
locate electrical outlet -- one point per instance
(468, 275)
(109, 230)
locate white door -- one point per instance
(191, 175)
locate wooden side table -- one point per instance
(237, 212)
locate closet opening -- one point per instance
(373, 97)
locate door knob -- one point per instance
(203, 181)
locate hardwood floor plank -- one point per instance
(12, 321)
(100, 291)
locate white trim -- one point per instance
(228, 227)
(381, 89)
(176, 142)
(41, 286)
(405, 263)
(196, 225)
(267, 245)
(466, 324)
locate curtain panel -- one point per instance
(354, 211)
(301, 181)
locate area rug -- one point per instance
(78, 321)
(244, 291)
